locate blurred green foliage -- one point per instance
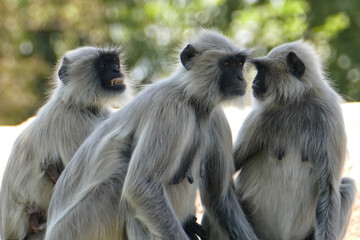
(34, 33)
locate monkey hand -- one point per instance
(37, 217)
(194, 230)
(53, 170)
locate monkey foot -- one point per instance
(53, 171)
(37, 217)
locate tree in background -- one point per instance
(34, 33)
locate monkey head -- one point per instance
(215, 67)
(286, 73)
(107, 66)
(91, 75)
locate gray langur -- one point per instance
(88, 81)
(136, 176)
(291, 150)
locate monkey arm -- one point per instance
(216, 184)
(246, 144)
(221, 205)
(328, 203)
(329, 158)
(152, 207)
(328, 152)
(242, 155)
(152, 165)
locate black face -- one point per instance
(232, 82)
(108, 68)
(259, 86)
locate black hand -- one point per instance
(194, 230)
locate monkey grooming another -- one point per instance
(291, 150)
(131, 179)
(89, 80)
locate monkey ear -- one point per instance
(296, 66)
(186, 56)
(62, 73)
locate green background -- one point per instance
(34, 33)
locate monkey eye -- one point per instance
(226, 63)
(103, 65)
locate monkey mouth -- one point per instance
(116, 81)
(116, 84)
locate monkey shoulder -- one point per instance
(311, 127)
(58, 130)
(218, 116)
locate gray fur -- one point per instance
(291, 150)
(61, 125)
(348, 192)
(127, 181)
(222, 214)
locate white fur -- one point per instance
(61, 125)
(297, 194)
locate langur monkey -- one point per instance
(291, 150)
(136, 176)
(88, 81)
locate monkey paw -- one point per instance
(194, 230)
(37, 217)
(53, 171)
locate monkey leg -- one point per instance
(53, 170)
(37, 217)
(348, 192)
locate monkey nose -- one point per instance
(115, 68)
(240, 78)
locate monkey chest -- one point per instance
(279, 194)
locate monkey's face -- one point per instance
(108, 69)
(261, 81)
(278, 77)
(231, 80)
(215, 73)
(93, 76)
